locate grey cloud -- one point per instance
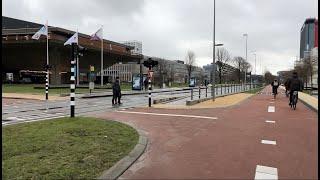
(169, 28)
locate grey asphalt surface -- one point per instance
(29, 111)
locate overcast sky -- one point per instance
(169, 28)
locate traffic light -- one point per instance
(150, 63)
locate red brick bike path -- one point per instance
(229, 147)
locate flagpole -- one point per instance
(47, 76)
(102, 56)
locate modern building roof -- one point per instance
(12, 26)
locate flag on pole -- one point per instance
(73, 39)
(97, 36)
(42, 31)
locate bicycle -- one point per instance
(274, 93)
(294, 100)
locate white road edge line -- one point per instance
(268, 142)
(265, 172)
(175, 115)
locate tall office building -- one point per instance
(308, 36)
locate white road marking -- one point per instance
(267, 121)
(271, 109)
(265, 172)
(268, 142)
(175, 115)
(271, 102)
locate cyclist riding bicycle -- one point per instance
(294, 84)
(286, 85)
(275, 84)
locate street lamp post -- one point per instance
(214, 53)
(245, 72)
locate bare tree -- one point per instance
(223, 58)
(190, 63)
(162, 71)
(268, 77)
(242, 66)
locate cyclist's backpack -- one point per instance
(275, 83)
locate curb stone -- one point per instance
(121, 166)
(309, 105)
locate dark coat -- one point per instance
(116, 87)
(295, 84)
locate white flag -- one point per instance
(73, 39)
(42, 31)
(97, 36)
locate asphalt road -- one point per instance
(17, 111)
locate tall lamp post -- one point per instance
(214, 52)
(213, 72)
(245, 73)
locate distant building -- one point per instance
(137, 46)
(314, 60)
(227, 72)
(308, 36)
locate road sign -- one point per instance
(150, 73)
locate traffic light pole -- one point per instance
(149, 83)
(72, 79)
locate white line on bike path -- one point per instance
(175, 115)
(271, 109)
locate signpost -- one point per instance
(150, 64)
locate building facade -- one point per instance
(136, 44)
(21, 54)
(308, 36)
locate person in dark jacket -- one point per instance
(286, 85)
(116, 92)
(275, 84)
(294, 84)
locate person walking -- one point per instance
(116, 92)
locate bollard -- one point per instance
(199, 91)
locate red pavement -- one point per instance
(229, 147)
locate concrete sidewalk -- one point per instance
(219, 102)
(32, 96)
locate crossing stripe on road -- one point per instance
(175, 115)
(265, 172)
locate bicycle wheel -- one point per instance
(294, 102)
